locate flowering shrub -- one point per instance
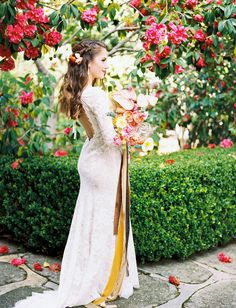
(24, 28)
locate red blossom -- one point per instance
(31, 52)
(199, 18)
(25, 4)
(226, 143)
(178, 34)
(174, 280)
(27, 80)
(156, 33)
(174, 2)
(178, 69)
(60, 153)
(4, 249)
(67, 130)
(135, 3)
(8, 64)
(191, 3)
(55, 267)
(223, 258)
(170, 161)
(186, 146)
(37, 15)
(26, 98)
(211, 145)
(21, 20)
(150, 20)
(4, 51)
(201, 62)
(200, 35)
(29, 30)
(52, 38)
(17, 262)
(89, 16)
(14, 33)
(38, 267)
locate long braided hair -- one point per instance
(76, 77)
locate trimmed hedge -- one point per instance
(176, 209)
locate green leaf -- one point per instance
(74, 10)
(63, 9)
(221, 25)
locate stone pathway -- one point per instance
(205, 282)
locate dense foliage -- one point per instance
(181, 203)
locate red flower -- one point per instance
(15, 164)
(38, 267)
(211, 145)
(26, 98)
(4, 249)
(25, 4)
(52, 38)
(209, 41)
(31, 52)
(89, 16)
(150, 20)
(201, 62)
(178, 34)
(174, 280)
(14, 33)
(223, 258)
(4, 51)
(226, 143)
(170, 161)
(200, 35)
(29, 30)
(186, 146)
(191, 3)
(156, 33)
(146, 58)
(67, 130)
(178, 69)
(136, 3)
(17, 262)
(27, 80)
(55, 267)
(60, 153)
(8, 64)
(198, 18)
(21, 20)
(37, 15)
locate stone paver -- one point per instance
(205, 282)
(10, 274)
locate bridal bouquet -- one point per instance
(129, 116)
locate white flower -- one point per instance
(121, 122)
(148, 145)
(142, 100)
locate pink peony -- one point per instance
(200, 35)
(26, 98)
(52, 38)
(17, 262)
(14, 33)
(150, 20)
(67, 130)
(178, 34)
(226, 143)
(89, 16)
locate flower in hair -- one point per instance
(75, 58)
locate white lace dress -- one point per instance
(90, 248)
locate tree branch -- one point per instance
(122, 43)
(119, 29)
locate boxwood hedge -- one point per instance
(181, 203)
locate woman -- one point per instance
(99, 262)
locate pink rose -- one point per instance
(89, 16)
(226, 143)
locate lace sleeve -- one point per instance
(98, 102)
